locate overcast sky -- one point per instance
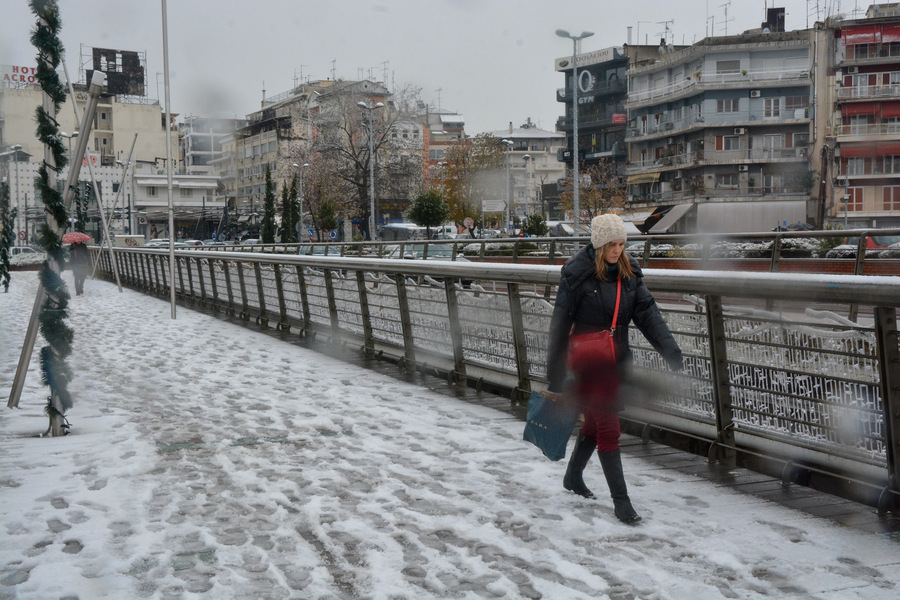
(491, 60)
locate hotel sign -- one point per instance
(16, 76)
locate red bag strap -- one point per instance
(618, 297)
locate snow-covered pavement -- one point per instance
(210, 461)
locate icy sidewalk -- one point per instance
(211, 461)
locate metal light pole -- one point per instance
(575, 39)
(15, 150)
(527, 158)
(508, 148)
(369, 109)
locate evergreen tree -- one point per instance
(287, 217)
(52, 317)
(267, 234)
(296, 209)
(327, 217)
(535, 225)
(429, 210)
(7, 225)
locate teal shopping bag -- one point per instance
(549, 424)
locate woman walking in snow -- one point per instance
(586, 299)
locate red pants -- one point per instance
(598, 394)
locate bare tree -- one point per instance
(342, 142)
(602, 189)
(473, 173)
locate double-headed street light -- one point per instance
(575, 39)
(15, 150)
(527, 159)
(369, 109)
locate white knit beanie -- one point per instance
(607, 228)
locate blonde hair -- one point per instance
(625, 270)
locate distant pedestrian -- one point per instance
(79, 260)
(585, 303)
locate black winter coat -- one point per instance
(585, 304)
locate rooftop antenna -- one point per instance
(300, 79)
(333, 77)
(665, 32)
(727, 20)
(384, 69)
(439, 90)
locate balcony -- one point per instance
(704, 81)
(862, 132)
(869, 92)
(720, 157)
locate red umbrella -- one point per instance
(76, 237)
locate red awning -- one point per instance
(859, 108)
(890, 109)
(870, 149)
(870, 34)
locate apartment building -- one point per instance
(864, 136)
(718, 133)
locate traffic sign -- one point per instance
(310, 233)
(333, 234)
(21, 235)
(468, 222)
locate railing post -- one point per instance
(368, 334)
(230, 308)
(459, 361)
(212, 282)
(158, 284)
(163, 273)
(723, 449)
(282, 307)
(776, 254)
(332, 307)
(646, 258)
(519, 343)
(304, 301)
(858, 270)
(409, 351)
(245, 313)
(887, 340)
(180, 277)
(199, 266)
(515, 254)
(263, 318)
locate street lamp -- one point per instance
(575, 39)
(369, 110)
(15, 150)
(527, 158)
(509, 145)
(128, 195)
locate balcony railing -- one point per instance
(705, 80)
(869, 91)
(720, 157)
(868, 129)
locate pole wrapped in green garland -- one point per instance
(55, 372)
(7, 224)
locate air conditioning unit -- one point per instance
(739, 131)
(668, 126)
(755, 93)
(678, 174)
(670, 141)
(743, 168)
(853, 70)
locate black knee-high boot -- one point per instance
(615, 478)
(581, 454)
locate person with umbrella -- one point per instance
(79, 257)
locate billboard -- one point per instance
(124, 71)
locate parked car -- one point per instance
(435, 252)
(874, 245)
(17, 250)
(250, 242)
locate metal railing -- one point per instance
(771, 370)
